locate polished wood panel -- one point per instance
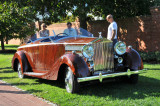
(47, 57)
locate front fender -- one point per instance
(133, 59)
(20, 55)
(77, 65)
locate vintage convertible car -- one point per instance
(76, 59)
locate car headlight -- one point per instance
(120, 48)
(88, 51)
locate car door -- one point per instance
(38, 55)
(48, 54)
(52, 53)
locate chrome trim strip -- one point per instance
(100, 77)
(73, 48)
(33, 45)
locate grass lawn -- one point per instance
(7, 47)
(146, 92)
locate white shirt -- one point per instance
(70, 32)
(112, 26)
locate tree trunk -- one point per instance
(6, 40)
(83, 22)
(2, 43)
(39, 25)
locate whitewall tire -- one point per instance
(71, 83)
(19, 70)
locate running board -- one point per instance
(34, 74)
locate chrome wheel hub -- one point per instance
(20, 75)
(69, 80)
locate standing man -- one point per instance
(70, 31)
(112, 29)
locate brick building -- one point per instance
(142, 32)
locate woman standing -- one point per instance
(44, 32)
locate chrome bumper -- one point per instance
(101, 77)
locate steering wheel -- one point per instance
(62, 33)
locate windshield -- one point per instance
(62, 33)
(80, 32)
(83, 32)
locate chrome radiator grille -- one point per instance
(103, 56)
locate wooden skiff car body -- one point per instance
(48, 58)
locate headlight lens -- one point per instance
(88, 51)
(120, 60)
(120, 48)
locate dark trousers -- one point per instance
(114, 42)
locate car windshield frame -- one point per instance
(80, 33)
(73, 32)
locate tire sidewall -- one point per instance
(74, 81)
(20, 74)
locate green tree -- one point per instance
(119, 8)
(15, 21)
(50, 10)
(56, 10)
(81, 8)
(16, 15)
(126, 8)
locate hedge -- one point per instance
(150, 56)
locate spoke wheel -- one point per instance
(20, 75)
(71, 83)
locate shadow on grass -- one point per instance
(120, 90)
(17, 84)
(23, 83)
(17, 91)
(7, 77)
(6, 70)
(8, 53)
(146, 87)
(11, 46)
(117, 90)
(44, 81)
(152, 69)
(51, 82)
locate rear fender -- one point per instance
(77, 65)
(20, 55)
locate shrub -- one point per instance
(150, 56)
